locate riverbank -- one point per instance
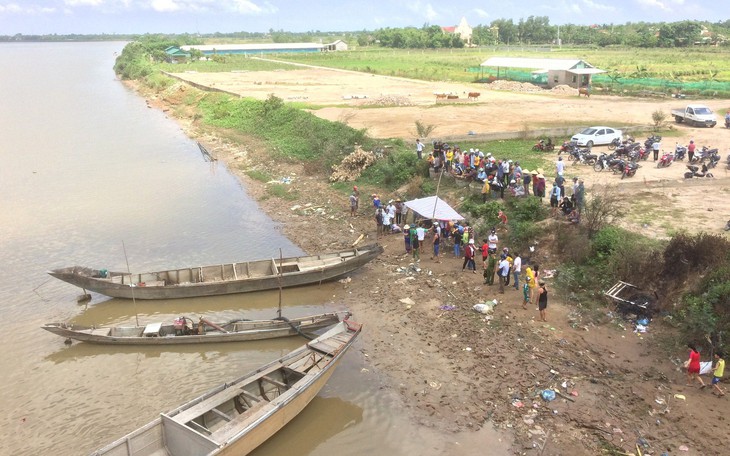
(458, 371)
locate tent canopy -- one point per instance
(425, 208)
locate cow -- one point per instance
(473, 95)
(452, 97)
(584, 91)
(440, 96)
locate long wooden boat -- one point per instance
(220, 279)
(184, 331)
(235, 418)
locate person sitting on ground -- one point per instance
(727, 226)
(519, 189)
(481, 176)
(566, 206)
(574, 216)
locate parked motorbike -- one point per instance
(679, 152)
(626, 168)
(665, 160)
(614, 144)
(629, 169)
(713, 159)
(568, 147)
(706, 154)
(651, 140)
(694, 171)
(585, 157)
(603, 160)
(544, 146)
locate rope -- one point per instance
(295, 328)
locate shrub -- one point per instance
(606, 241)
(526, 209)
(487, 211)
(395, 169)
(522, 234)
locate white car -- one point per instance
(594, 136)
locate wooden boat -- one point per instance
(220, 279)
(183, 331)
(235, 418)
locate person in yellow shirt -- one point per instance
(718, 373)
(530, 279)
(449, 159)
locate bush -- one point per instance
(529, 209)
(488, 211)
(606, 241)
(394, 170)
(522, 234)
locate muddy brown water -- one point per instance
(92, 176)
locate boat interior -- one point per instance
(233, 271)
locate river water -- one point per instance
(91, 176)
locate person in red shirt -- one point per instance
(693, 366)
(691, 150)
(485, 253)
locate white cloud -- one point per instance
(575, 8)
(14, 8)
(248, 7)
(654, 4)
(83, 2)
(165, 6)
(481, 13)
(598, 6)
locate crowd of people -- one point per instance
(500, 176)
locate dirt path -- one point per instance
(458, 371)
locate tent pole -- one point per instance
(437, 193)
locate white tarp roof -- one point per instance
(586, 71)
(425, 208)
(251, 47)
(543, 64)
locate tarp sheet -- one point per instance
(425, 208)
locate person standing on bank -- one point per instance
(542, 301)
(419, 148)
(517, 270)
(693, 366)
(691, 150)
(655, 147)
(503, 272)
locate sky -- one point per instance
(30, 17)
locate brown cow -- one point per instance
(474, 95)
(452, 97)
(440, 96)
(584, 91)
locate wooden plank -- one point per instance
(227, 394)
(221, 414)
(240, 422)
(274, 382)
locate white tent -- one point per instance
(433, 207)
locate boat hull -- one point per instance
(222, 279)
(208, 426)
(261, 329)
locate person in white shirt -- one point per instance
(390, 209)
(503, 272)
(516, 269)
(421, 233)
(492, 242)
(560, 166)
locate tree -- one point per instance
(600, 210)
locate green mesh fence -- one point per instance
(513, 75)
(719, 89)
(665, 85)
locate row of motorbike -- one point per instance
(626, 155)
